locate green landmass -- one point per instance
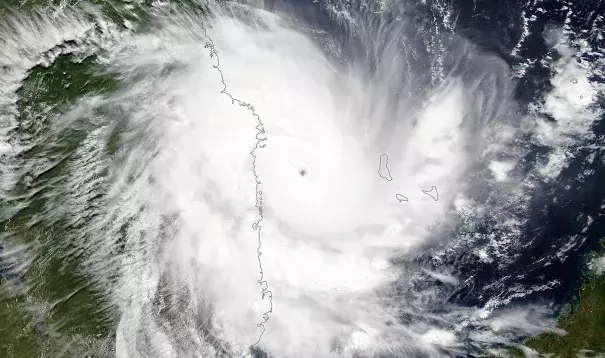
(583, 320)
(58, 312)
(50, 307)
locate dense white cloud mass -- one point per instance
(328, 234)
(245, 116)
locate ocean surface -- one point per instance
(209, 179)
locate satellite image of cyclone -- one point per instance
(302, 178)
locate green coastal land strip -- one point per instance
(585, 327)
(583, 320)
